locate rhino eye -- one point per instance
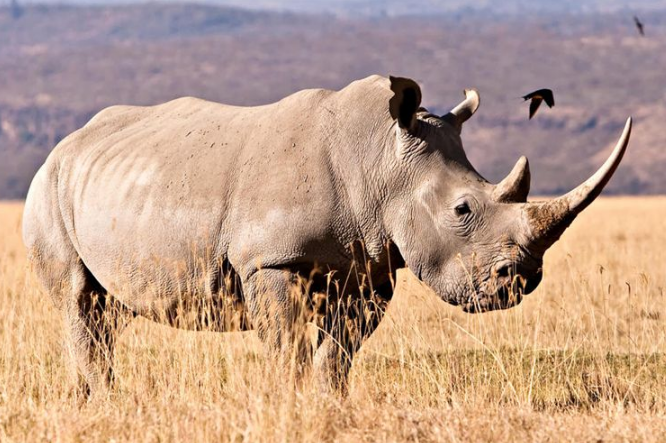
(462, 209)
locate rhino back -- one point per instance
(156, 198)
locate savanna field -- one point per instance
(581, 359)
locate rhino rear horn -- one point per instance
(465, 109)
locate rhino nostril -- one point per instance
(533, 282)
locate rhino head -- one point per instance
(477, 245)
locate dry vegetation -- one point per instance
(582, 359)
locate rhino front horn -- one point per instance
(548, 220)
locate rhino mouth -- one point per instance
(503, 298)
(506, 294)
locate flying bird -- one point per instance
(537, 97)
(639, 26)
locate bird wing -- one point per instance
(639, 25)
(548, 97)
(534, 105)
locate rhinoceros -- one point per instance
(151, 211)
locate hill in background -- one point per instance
(61, 64)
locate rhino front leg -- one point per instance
(275, 305)
(346, 327)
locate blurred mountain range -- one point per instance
(61, 64)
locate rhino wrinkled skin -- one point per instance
(191, 204)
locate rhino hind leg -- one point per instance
(92, 318)
(93, 322)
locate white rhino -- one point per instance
(155, 210)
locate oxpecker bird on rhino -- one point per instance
(193, 206)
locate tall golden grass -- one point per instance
(581, 359)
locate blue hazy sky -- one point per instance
(399, 7)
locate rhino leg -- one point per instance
(346, 327)
(93, 322)
(275, 306)
(92, 318)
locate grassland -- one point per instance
(582, 359)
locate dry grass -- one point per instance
(582, 359)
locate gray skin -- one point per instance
(202, 215)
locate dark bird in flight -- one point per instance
(639, 26)
(537, 97)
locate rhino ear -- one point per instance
(405, 102)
